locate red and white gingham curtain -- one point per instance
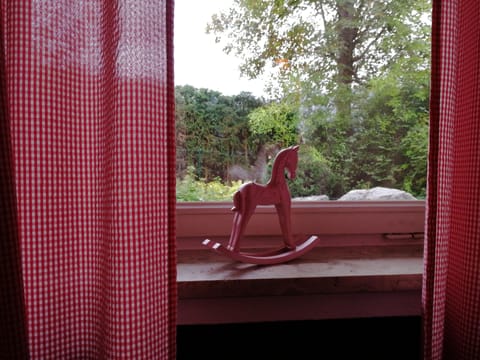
(451, 291)
(87, 176)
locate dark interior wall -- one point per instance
(372, 338)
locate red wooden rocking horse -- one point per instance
(274, 192)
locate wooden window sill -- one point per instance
(328, 282)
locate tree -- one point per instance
(326, 47)
(389, 145)
(213, 131)
(275, 123)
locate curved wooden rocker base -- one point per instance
(275, 256)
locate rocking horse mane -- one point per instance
(285, 152)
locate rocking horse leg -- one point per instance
(240, 220)
(284, 219)
(235, 234)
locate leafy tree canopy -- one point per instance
(275, 123)
(324, 46)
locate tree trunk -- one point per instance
(346, 33)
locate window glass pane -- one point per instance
(347, 80)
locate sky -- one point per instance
(199, 61)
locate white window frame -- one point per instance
(214, 219)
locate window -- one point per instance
(348, 228)
(348, 83)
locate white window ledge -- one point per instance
(369, 262)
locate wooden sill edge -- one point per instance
(201, 274)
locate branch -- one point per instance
(324, 20)
(367, 48)
(368, 21)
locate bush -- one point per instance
(314, 176)
(191, 189)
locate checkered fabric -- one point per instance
(451, 289)
(88, 179)
(13, 337)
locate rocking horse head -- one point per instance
(286, 160)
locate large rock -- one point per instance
(377, 193)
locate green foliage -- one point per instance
(276, 123)
(414, 170)
(214, 130)
(389, 146)
(314, 175)
(386, 142)
(191, 189)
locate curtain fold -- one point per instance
(13, 336)
(88, 164)
(451, 289)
